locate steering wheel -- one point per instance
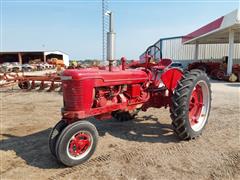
(148, 50)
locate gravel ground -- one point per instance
(145, 148)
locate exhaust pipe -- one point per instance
(111, 35)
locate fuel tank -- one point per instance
(79, 84)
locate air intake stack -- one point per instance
(110, 41)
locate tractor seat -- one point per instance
(164, 63)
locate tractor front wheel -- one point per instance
(54, 134)
(191, 103)
(76, 143)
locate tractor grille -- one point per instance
(77, 95)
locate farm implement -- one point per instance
(49, 82)
(121, 93)
(217, 70)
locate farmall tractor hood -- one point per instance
(106, 76)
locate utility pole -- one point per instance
(105, 25)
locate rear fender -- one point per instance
(170, 78)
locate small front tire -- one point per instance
(77, 143)
(54, 134)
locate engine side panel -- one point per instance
(101, 92)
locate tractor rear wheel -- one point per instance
(76, 143)
(191, 105)
(54, 134)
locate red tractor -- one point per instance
(121, 93)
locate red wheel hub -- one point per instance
(195, 105)
(79, 144)
(220, 75)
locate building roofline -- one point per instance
(31, 51)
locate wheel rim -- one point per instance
(79, 145)
(199, 106)
(220, 75)
(24, 85)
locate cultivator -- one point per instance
(48, 82)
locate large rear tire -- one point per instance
(76, 143)
(191, 105)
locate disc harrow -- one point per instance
(47, 82)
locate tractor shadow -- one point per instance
(32, 148)
(230, 84)
(237, 85)
(141, 129)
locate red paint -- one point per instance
(171, 77)
(157, 100)
(195, 105)
(123, 61)
(79, 144)
(104, 77)
(164, 63)
(98, 92)
(204, 30)
(78, 95)
(133, 90)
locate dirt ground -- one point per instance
(145, 148)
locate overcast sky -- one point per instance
(74, 26)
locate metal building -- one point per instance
(211, 42)
(23, 57)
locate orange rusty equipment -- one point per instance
(28, 82)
